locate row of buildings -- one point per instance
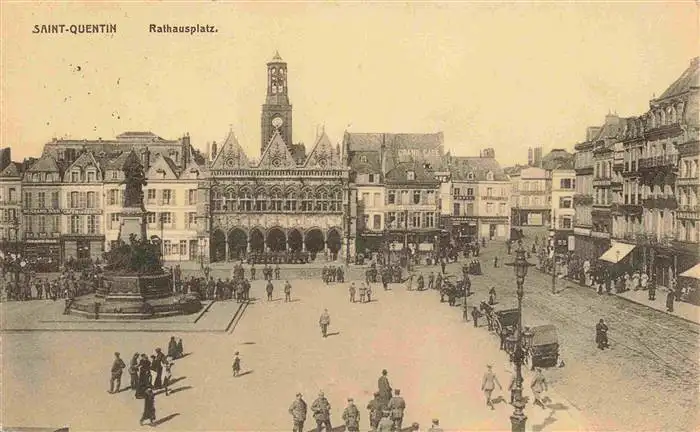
(370, 193)
(637, 181)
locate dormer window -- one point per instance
(74, 176)
(91, 177)
(115, 175)
(363, 159)
(410, 175)
(470, 176)
(489, 176)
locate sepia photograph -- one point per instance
(456, 216)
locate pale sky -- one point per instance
(506, 76)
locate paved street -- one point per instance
(432, 356)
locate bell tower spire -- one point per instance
(276, 111)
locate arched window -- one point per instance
(336, 200)
(231, 200)
(470, 176)
(260, 200)
(306, 201)
(290, 201)
(246, 200)
(321, 200)
(489, 176)
(218, 199)
(276, 200)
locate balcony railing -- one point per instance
(658, 161)
(688, 212)
(496, 198)
(42, 235)
(660, 203)
(687, 181)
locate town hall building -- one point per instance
(286, 201)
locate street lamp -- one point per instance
(520, 266)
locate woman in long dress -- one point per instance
(144, 377)
(149, 407)
(134, 371)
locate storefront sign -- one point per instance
(81, 211)
(42, 211)
(425, 247)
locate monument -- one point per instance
(135, 285)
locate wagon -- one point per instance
(543, 345)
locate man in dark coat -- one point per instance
(397, 405)
(670, 298)
(157, 367)
(277, 271)
(116, 373)
(172, 348)
(601, 334)
(149, 407)
(269, 288)
(322, 413)
(384, 388)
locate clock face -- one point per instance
(277, 122)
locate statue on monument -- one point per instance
(135, 180)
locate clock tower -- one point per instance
(276, 111)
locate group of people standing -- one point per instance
(386, 411)
(146, 375)
(69, 284)
(332, 274)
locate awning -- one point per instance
(617, 252)
(693, 272)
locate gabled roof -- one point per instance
(690, 78)
(323, 154)
(45, 164)
(399, 173)
(231, 155)
(116, 162)
(462, 166)
(165, 164)
(277, 155)
(13, 169)
(85, 160)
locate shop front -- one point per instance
(370, 243)
(44, 254)
(493, 228)
(82, 250)
(465, 230)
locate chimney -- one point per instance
(146, 159)
(382, 154)
(208, 154)
(213, 150)
(186, 149)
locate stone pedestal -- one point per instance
(133, 221)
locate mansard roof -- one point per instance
(399, 173)
(462, 166)
(323, 154)
(277, 155)
(45, 164)
(231, 155)
(366, 162)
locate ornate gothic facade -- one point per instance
(285, 201)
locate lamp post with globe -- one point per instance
(520, 266)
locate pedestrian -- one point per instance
(436, 426)
(172, 348)
(180, 349)
(375, 408)
(322, 413)
(369, 293)
(442, 265)
(475, 316)
(397, 405)
(352, 292)
(495, 262)
(385, 424)
(287, 292)
(269, 288)
(116, 373)
(363, 293)
(652, 289)
(488, 384)
(384, 388)
(351, 416)
(324, 321)
(252, 271)
(601, 334)
(298, 411)
(538, 385)
(149, 407)
(670, 298)
(492, 296)
(236, 365)
(157, 367)
(168, 375)
(134, 371)
(431, 280)
(277, 271)
(144, 377)
(409, 282)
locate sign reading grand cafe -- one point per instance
(287, 205)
